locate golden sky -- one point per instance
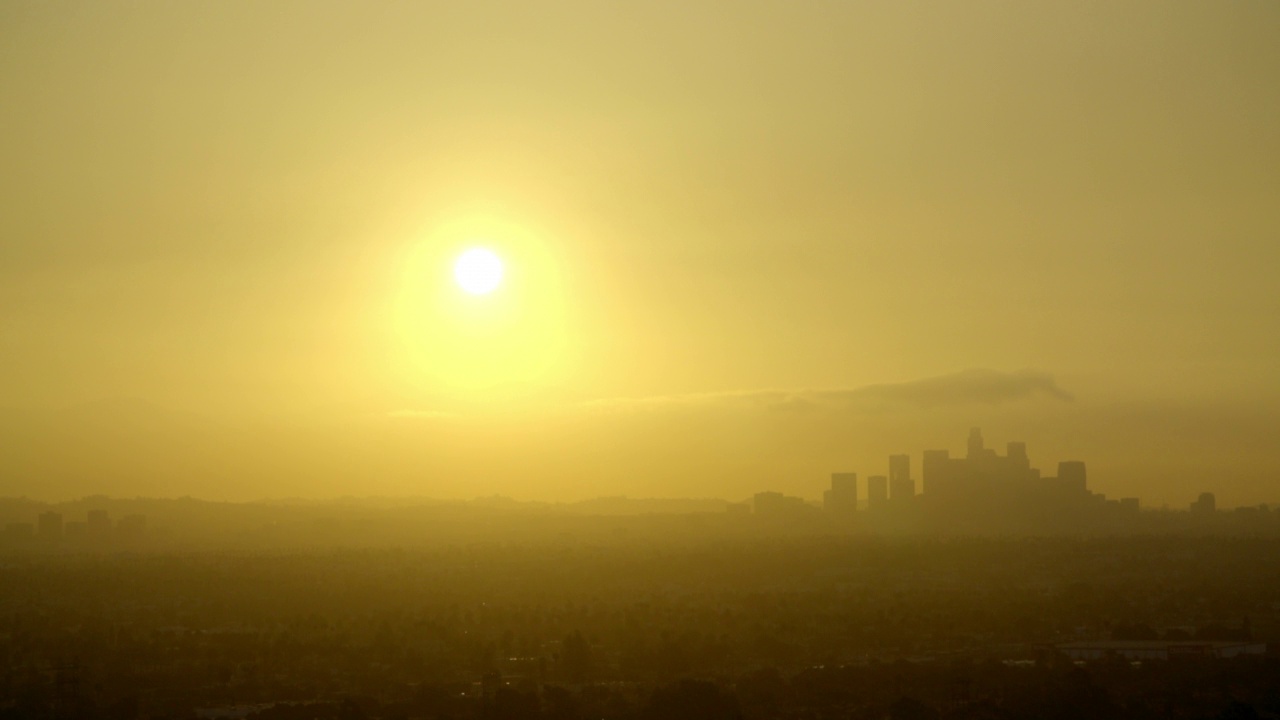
(729, 228)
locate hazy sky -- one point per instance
(722, 223)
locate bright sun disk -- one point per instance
(478, 271)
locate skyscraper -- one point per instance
(1071, 475)
(899, 467)
(976, 445)
(877, 490)
(935, 467)
(845, 482)
(901, 486)
(843, 495)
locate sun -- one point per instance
(481, 311)
(478, 271)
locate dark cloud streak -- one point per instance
(968, 387)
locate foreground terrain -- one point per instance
(806, 626)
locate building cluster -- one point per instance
(980, 489)
(898, 486)
(96, 527)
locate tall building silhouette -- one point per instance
(983, 472)
(976, 448)
(985, 489)
(877, 490)
(1071, 475)
(934, 471)
(901, 486)
(845, 483)
(843, 495)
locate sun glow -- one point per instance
(478, 271)
(480, 311)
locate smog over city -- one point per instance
(573, 359)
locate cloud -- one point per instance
(968, 387)
(990, 387)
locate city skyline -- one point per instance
(728, 445)
(980, 475)
(978, 491)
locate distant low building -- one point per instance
(1160, 649)
(49, 526)
(132, 527)
(776, 506)
(99, 523)
(1207, 504)
(19, 532)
